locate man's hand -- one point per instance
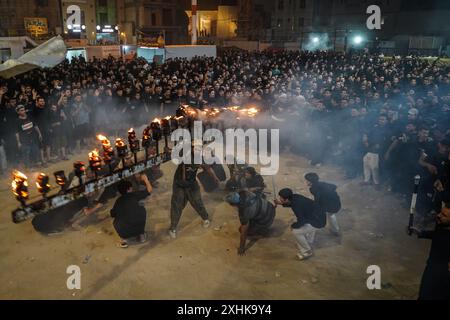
(241, 251)
(438, 186)
(19, 145)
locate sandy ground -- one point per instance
(203, 264)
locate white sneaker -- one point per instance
(173, 234)
(305, 255)
(206, 223)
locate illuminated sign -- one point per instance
(36, 26)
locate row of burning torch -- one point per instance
(151, 136)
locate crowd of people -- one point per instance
(387, 120)
(384, 119)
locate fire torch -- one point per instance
(134, 143)
(61, 179)
(20, 186)
(42, 184)
(156, 133)
(122, 150)
(108, 151)
(80, 170)
(95, 162)
(146, 140)
(165, 125)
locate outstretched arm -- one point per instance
(243, 229)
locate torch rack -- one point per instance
(42, 206)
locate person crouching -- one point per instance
(129, 215)
(310, 217)
(255, 214)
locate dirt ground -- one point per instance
(203, 263)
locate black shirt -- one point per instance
(129, 216)
(306, 211)
(26, 130)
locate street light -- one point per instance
(357, 40)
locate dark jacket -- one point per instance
(326, 196)
(129, 216)
(255, 211)
(307, 211)
(435, 284)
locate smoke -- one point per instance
(317, 42)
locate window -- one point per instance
(301, 22)
(103, 18)
(153, 19)
(302, 4)
(279, 23)
(102, 3)
(280, 4)
(167, 17)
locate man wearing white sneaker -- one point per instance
(310, 217)
(326, 197)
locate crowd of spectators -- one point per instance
(384, 119)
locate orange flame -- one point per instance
(156, 120)
(94, 155)
(102, 137)
(131, 130)
(119, 142)
(19, 178)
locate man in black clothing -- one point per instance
(310, 217)
(41, 115)
(255, 214)
(253, 182)
(129, 215)
(186, 188)
(28, 136)
(326, 197)
(435, 284)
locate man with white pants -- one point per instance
(327, 198)
(371, 162)
(310, 217)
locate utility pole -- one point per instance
(194, 22)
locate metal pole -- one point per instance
(412, 208)
(194, 22)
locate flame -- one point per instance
(167, 118)
(94, 154)
(131, 130)
(157, 120)
(19, 179)
(233, 108)
(251, 112)
(119, 142)
(102, 137)
(40, 179)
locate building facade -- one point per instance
(407, 26)
(37, 19)
(146, 19)
(86, 26)
(215, 23)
